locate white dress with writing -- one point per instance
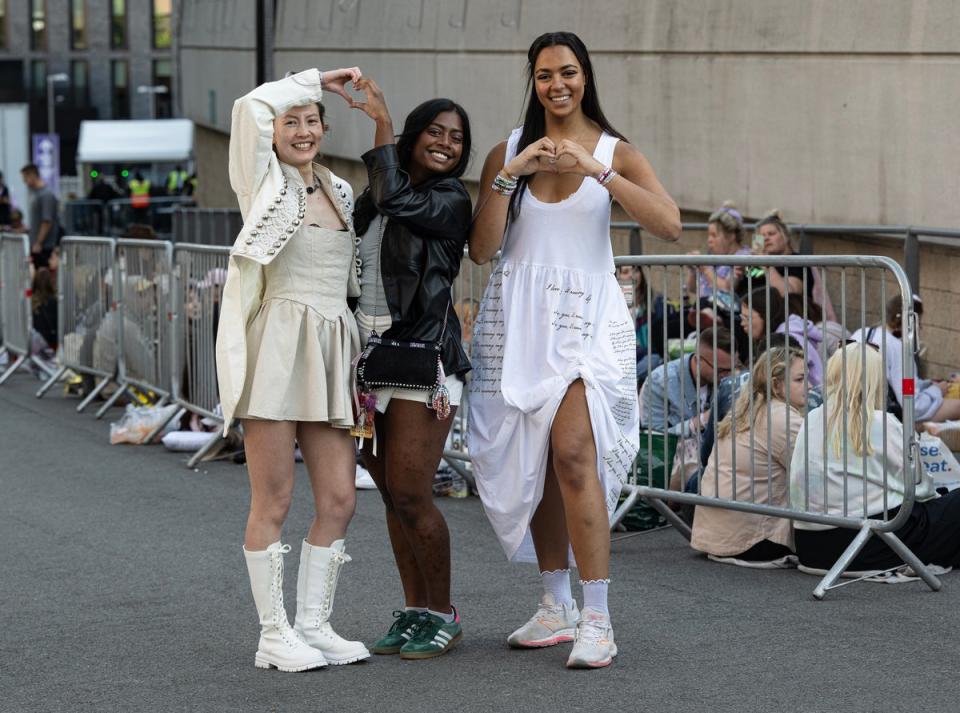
(552, 313)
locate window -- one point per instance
(163, 77)
(38, 25)
(120, 90)
(78, 24)
(79, 84)
(161, 24)
(118, 24)
(38, 77)
(3, 24)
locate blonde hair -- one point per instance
(770, 369)
(729, 220)
(775, 218)
(862, 368)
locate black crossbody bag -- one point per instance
(400, 364)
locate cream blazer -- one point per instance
(272, 200)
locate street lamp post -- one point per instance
(152, 90)
(51, 80)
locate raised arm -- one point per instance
(442, 211)
(251, 128)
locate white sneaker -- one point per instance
(593, 646)
(552, 624)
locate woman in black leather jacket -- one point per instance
(413, 220)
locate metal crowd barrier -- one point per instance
(121, 213)
(142, 282)
(87, 313)
(84, 217)
(16, 321)
(863, 283)
(199, 274)
(206, 226)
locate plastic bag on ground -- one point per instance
(138, 421)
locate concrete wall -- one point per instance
(835, 111)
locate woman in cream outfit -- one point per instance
(285, 344)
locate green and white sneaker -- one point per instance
(405, 625)
(434, 637)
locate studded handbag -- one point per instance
(401, 364)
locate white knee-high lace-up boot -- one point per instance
(316, 586)
(280, 646)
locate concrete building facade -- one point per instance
(107, 48)
(834, 111)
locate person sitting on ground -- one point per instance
(765, 312)
(853, 473)
(749, 462)
(775, 238)
(932, 400)
(16, 223)
(724, 237)
(675, 398)
(633, 284)
(43, 305)
(729, 389)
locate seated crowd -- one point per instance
(772, 402)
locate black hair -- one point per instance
(774, 312)
(535, 119)
(417, 122)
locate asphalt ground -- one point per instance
(123, 588)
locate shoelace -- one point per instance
(404, 620)
(547, 611)
(337, 560)
(592, 631)
(279, 613)
(427, 628)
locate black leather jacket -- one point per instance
(422, 248)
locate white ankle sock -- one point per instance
(419, 609)
(595, 594)
(447, 618)
(557, 583)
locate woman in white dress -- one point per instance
(285, 342)
(554, 424)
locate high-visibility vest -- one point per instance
(175, 180)
(140, 193)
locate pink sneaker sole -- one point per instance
(542, 643)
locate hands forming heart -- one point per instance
(544, 156)
(336, 80)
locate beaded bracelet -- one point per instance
(606, 175)
(504, 186)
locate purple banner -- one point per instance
(46, 154)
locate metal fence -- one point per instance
(199, 274)
(113, 218)
(143, 277)
(87, 313)
(682, 319)
(206, 226)
(15, 319)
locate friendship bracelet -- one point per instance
(504, 186)
(606, 175)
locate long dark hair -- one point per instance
(415, 124)
(535, 119)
